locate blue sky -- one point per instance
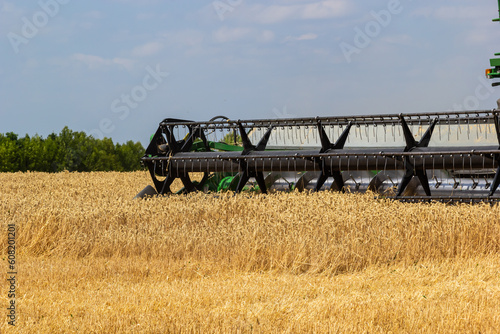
(116, 68)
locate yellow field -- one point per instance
(92, 260)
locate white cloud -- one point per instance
(190, 38)
(310, 11)
(126, 63)
(226, 35)
(307, 37)
(9, 16)
(96, 62)
(303, 37)
(147, 49)
(452, 12)
(9, 8)
(266, 36)
(477, 20)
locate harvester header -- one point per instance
(411, 157)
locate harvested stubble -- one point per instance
(92, 259)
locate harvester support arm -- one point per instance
(247, 171)
(326, 145)
(412, 170)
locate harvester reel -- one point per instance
(164, 144)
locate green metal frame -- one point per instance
(219, 181)
(498, 19)
(495, 62)
(199, 146)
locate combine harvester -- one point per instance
(447, 156)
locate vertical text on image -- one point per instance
(11, 274)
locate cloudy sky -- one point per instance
(116, 68)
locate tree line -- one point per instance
(68, 150)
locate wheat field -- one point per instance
(92, 260)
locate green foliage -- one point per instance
(68, 150)
(232, 138)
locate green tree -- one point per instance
(35, 154)
(129, 155)
(68, 150)
(103, 156)
(9, 152)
